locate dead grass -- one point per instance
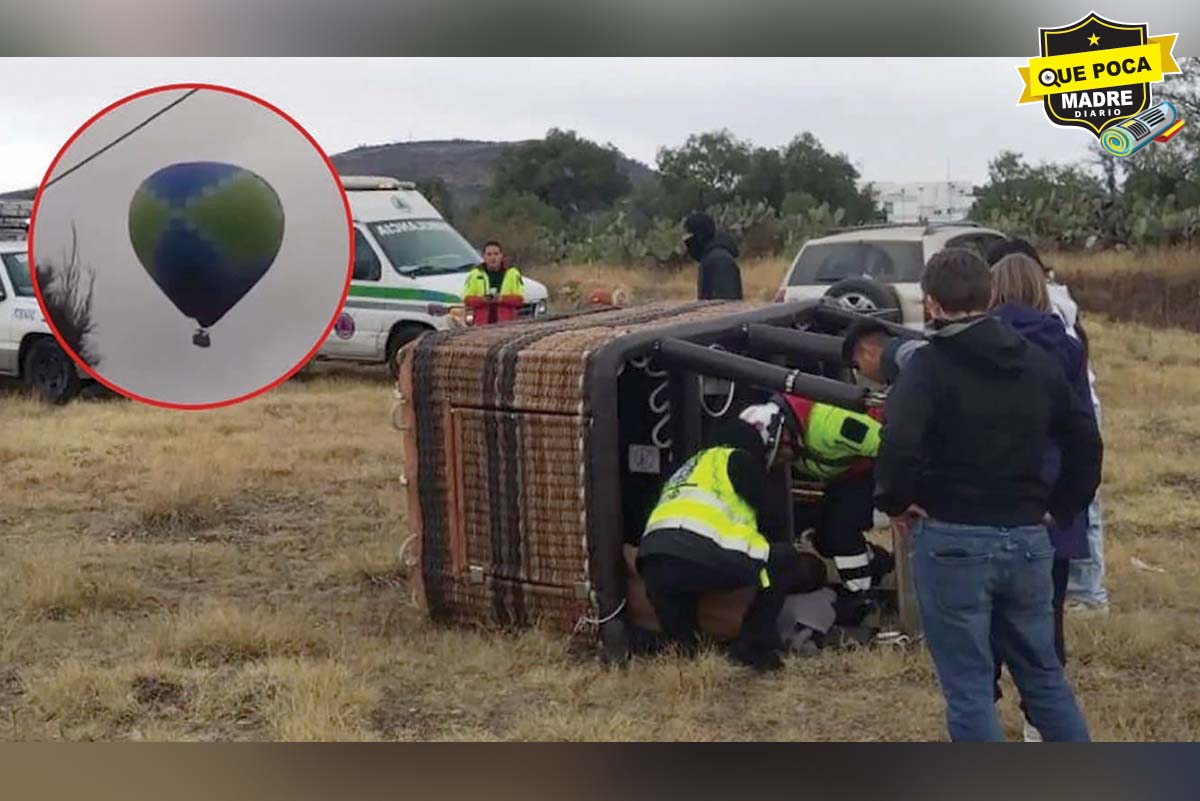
(236, 575)
(58, 582)
(222, 634)
(1162, 261)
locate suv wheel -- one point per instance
(50, 373)
(864, 296)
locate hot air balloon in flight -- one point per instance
(206, 232)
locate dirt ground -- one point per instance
(237, 574)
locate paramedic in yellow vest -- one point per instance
(837, 448)
(711, 531)
(494, 292)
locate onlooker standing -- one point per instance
(1086, 592)
(719, 276)
(494, 291)
(961, 464)
(1020, 298)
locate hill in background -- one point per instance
(465, 166)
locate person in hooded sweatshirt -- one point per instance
(961, 464)
(719, 277)
(1020, 299)
(1086, 592)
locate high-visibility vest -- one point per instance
(477, 283)
(834, 438)
(700, 498)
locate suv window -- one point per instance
(366, 263)
(423, 247)
(828, 263)
(17, 266)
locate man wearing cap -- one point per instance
(877, 352)
(712, 531)
(718, 277)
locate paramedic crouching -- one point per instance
(710, 532)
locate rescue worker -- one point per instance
(494, 292)
(837, 447)
(712, 531)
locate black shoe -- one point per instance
(761, 660)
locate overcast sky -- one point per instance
(897, 119)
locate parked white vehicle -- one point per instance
(28, 350)
(876, 269)
(410, 266)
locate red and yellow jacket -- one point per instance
(489, 307)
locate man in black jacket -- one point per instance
(961, 463)
(719, 277)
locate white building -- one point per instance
(925, 201)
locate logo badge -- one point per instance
(344, 327)
(1098, 75)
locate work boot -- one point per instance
(760, 659)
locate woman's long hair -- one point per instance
(1017, 278)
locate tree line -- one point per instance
(566, 198)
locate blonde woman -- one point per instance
(1020, 298)
(1086, 593)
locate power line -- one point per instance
(122, 137)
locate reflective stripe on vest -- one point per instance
(700, 498)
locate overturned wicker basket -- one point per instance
(520, 446)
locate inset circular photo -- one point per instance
(192, 246)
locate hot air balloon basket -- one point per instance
(530, 461)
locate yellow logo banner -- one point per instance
(1098, 69)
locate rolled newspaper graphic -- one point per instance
(1130, 136)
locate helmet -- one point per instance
(767, 419)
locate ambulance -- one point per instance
(410, 266)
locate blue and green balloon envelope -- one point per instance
(206, 232)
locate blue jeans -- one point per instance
(977, 586)
(1086, 582)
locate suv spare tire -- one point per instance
(865, 296)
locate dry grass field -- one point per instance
(237, 575)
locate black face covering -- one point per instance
(695, 247)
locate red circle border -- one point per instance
(349, 261)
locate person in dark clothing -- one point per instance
(718, 277)
(1020, 299)
(960, 462)
(711, 531)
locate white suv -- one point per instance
(876, 269)
(28, 351)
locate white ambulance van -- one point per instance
(409, 269)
